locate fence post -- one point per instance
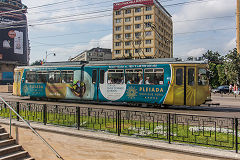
(45, 114)
(236, 134)
(169, 128)
(78, 118)
(118, 122)
(18, 110)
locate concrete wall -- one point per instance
(6, 88)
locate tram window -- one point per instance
(191, 76)
(30, 77)
(154, 76)
(54, 77)
(133, 76)
(102, 73)
(116, 76)
(42, 77)
(179, 76)
(202, 77)
(57, 77)
(67, 76)
(94, 76)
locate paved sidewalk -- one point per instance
(75, 145)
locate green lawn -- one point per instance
(211, 136)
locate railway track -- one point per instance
(229, 106)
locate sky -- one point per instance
(70, 27)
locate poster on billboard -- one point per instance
(18, 43)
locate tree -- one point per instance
(36, 63)
(214, 60)
(232, 66)
(222, 78)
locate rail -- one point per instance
(34, 131)
(210, 131)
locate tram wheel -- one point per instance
(132, 104)
(33, 98)
(165, 106)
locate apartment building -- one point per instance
(94, 54)
(141, 29)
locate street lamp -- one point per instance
(47, 54)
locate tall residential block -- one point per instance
(141, 29)
(238, 26)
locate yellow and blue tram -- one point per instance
(149, 81)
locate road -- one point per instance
(229, 106)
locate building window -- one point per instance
(148, 41)
(138, 10)
(118, 44)
(148, 49)
(137, 26)
(138, 18)
(127, 43)
(148, 8)
(127, 27)
(128, 11)
(148, 16)
(148, 24)
(118, 20)
(118, 36)
(118, 28)
(137, 50)
(137, 42)
(117, 52)
(127, 51)
(148, 33)
(137, 34)
(128, 35)
(127, 19)
(118, 13)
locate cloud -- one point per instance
(58, 13)
(210, 9)
(231, 44)
(106, 41)
(198, 52)
(63, 53)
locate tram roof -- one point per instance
(126, 62)
(120, 62)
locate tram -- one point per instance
(144, 81)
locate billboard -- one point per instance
(13, 36)
(117, 6)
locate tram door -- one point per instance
(17, 83)
(184, 86)
(97, 79)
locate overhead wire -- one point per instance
(199, 31)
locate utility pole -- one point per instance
(238, 26)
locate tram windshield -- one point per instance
(202, 77)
